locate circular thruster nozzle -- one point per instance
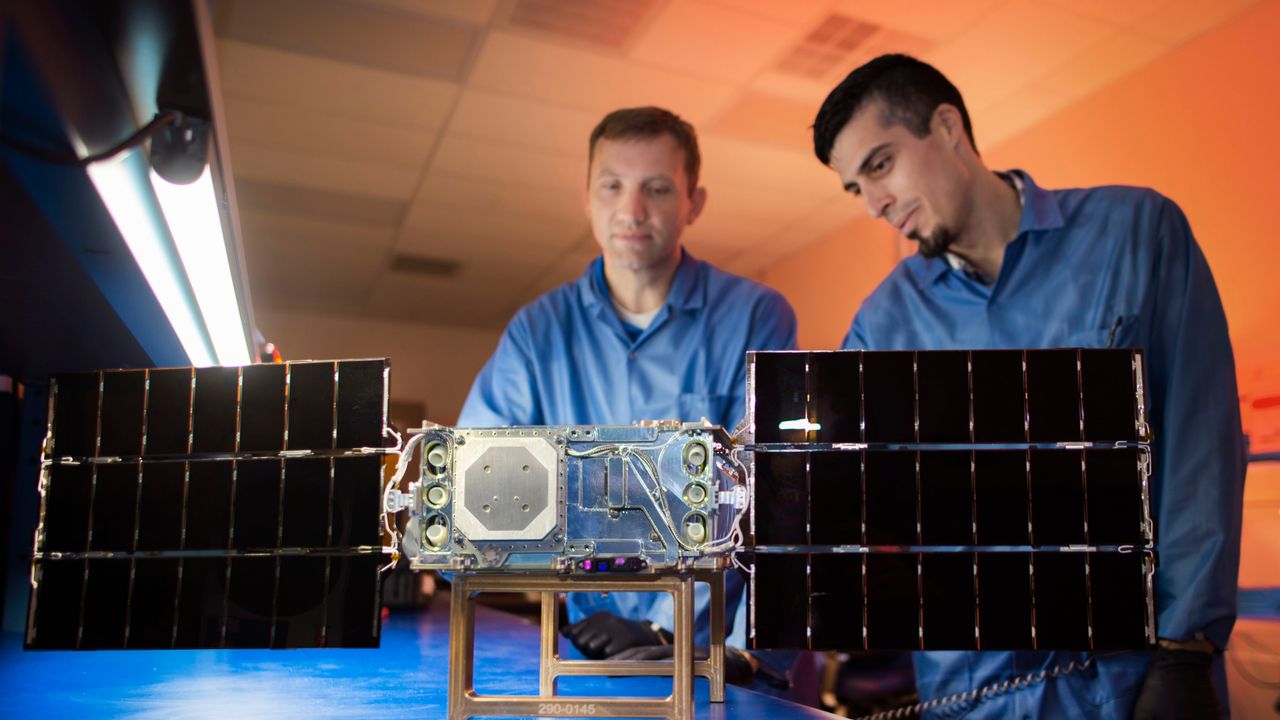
(695, 493)
(437, 535)
(695, 456)
(437, 495)
(696, 532)
(437, 455)
(695, 528)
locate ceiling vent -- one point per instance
(828, 47)
(423, 265)
(604, 23)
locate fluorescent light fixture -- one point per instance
(800, 424)
(193, 217)
(124, 194)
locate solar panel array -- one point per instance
(212, 507)
(993, 499)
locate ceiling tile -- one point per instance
(744, 43)
(791, 172)
(272, 124)
(360, 34)
(1182, 20)
(757, 117)
(283, 199)
(332, 88)
(288, 167)
(1113, 58)
(1121, 14)
(925, 18)
(536, 69)
(1032, 40)
(509, 164)
(262, 227)
(810, 89)
(799, 13)
(609, 25)
(806, 91)
(475, 12)
(475, 197)
(517, 121)
(439, 225)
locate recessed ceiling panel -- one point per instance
(360, 35)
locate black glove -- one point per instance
(1179, 684)
(738, 669)
(605, 634)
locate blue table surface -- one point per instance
(407, 677)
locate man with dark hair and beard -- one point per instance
(1003, 263)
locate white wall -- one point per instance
(432, 364)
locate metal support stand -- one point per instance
(464, 702)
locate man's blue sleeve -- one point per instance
(504, 391)
(774, 325)
(855, 339)
(1199, 458)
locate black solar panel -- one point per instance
(212, 507)
(991, 499)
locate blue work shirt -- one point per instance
(1099, 267)
(567, 359)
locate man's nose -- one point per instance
(878, 202)
(633, 207)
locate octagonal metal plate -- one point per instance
(508, 486)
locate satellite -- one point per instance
(993, 499)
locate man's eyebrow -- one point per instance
(851, 185)
(866, 161)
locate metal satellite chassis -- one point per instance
(652, 507)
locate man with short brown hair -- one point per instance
(648, 332)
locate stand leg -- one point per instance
(715, 654)
(462, 637)
(550, 657)
(682, 673)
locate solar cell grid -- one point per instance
(995, 499)
(176, 514)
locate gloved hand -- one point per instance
(1179, 684)
(738, 667)
(605, 634)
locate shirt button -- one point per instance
(633, 356)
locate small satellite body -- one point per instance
(579, 499)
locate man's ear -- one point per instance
(948, 121)
(697, 202)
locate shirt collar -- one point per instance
(686, 293)
(1040, 211)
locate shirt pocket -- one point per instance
(1116, 334)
